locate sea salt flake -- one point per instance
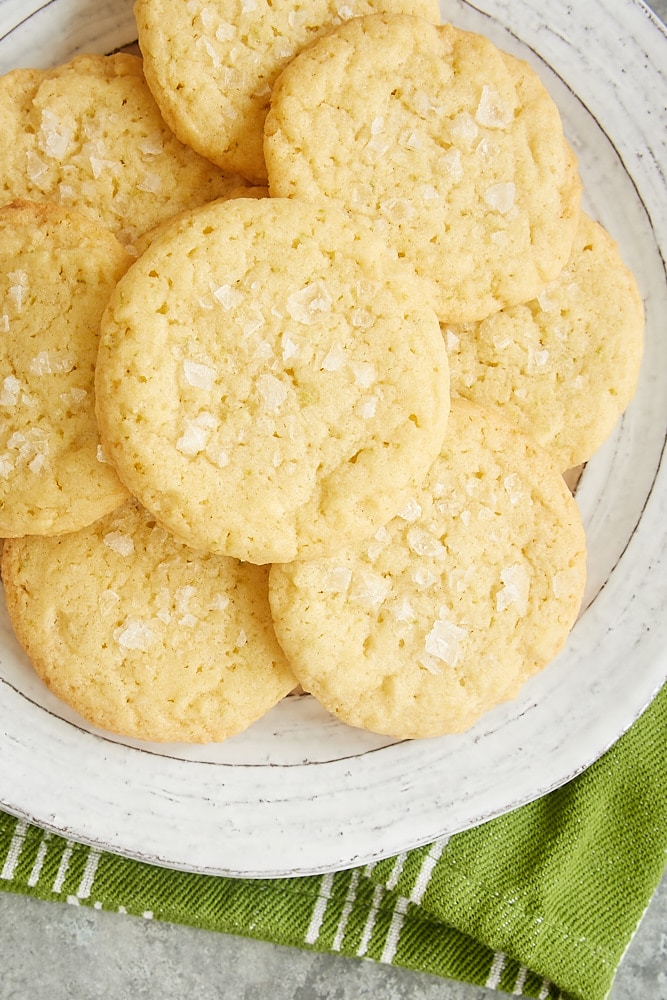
(452, 340)
(336, 580)
(537, 359)
(397, 210)
(423, 577)
(6, 466)
(377, 545)
(196, 434)
(152, 144)
(310, 303)
(99, 166)
(218, 456)
(401, 610)
(362, 319)
(107, 601)
(198, 375)
(9, 394)
(412, 140)
(430, 193)
(37, 463)
(463, 129)
(334, 359)
(368, 407)
(430, 663)
(52, 363)
(151, 183)
(188, 620)
(452, 164)
(424, 103)
(492, 110)
(423, 543)
(219, 603)
(370, 589)
(545, 299)
(18, 288)
(183, 597)
(364, 373)
(134, 635)
(515, 589)
(35, 167)
(225, 32)
(76, 397)
(227, 296)
(4, 323)
(119, 542)
(290, 348)
(411, 511)
(252, 321)
(205, 44)
(242, 639)
(54, 136)
(272, 391)
(101, 457)
(501, 197)
(445, 641)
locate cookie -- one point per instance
(57, 271)
(144, 241)
(270, 382)
(88, 134)
(214, 85)
(142, 636)
(452, 606)
(565, 365)
(453, 150)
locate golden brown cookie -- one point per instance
(57, 271)
(451, 149)
(564, 366)
(452, 606)
(211, 64)
(89, 135)
(270, 382)
(142, 636)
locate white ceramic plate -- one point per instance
(299, 793)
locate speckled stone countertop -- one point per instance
(49, 951)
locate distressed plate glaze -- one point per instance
(298, 792)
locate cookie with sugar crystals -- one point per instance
(142, 636)
(270, 381)
(88, 135)
(57, 271)
(452, 606)
(565, 365)
(214, 86)
(452, 149)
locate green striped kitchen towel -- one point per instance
(541, 902)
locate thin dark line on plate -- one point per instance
(25, 20)
(185, 760)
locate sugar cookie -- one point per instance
(564, 366)
(89, 135)
(142, 636)
(452, 606)
(57, 271)
(214, 82)
(270, 382)
(453, 150)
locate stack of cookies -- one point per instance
(302, 325)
